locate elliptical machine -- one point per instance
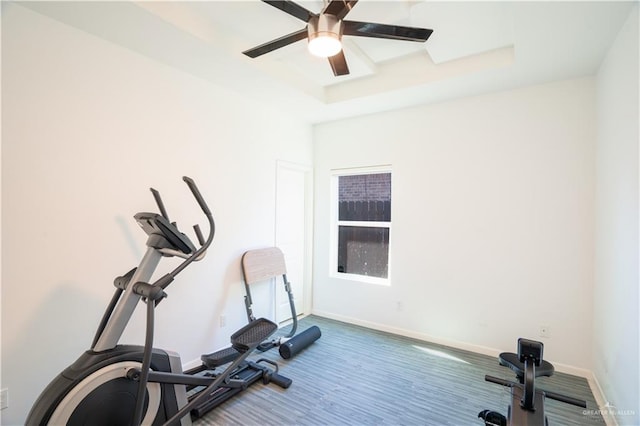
(527, 402)
(114, 384)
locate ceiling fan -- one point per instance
(325, 30)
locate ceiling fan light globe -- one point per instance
(325, 45)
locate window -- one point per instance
(362, 224)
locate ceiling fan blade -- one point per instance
(394, 32)
(276, 44)
(339, 64)
(339, 8)
(292, 9)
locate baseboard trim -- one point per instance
(598, 394)
(484, 350)
(409, 333)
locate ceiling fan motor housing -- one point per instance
(325, 26)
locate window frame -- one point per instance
(336, 223)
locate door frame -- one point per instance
(307, 285)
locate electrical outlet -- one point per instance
(4, 398)
(545, 331)
(223, 321)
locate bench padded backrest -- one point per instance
(263, 264)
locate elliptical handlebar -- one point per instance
(196, 193)
(164, 281)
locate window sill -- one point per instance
(361, 278)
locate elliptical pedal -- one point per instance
(246, 338)
(218, 358)
(252, 334)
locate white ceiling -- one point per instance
(476, 47)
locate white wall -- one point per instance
(1, 223)
(87, 128)
(616, 306)
(492, 219)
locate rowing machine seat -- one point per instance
(511, 360)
